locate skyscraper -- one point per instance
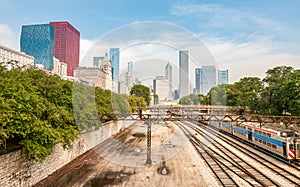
(66, 45)
(168, 76)
(208, 78)
(38, 41)
(223, 77)
(184, 85)
(114, 58)
(198, 72)
(130, 69)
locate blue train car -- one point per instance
(280, 143)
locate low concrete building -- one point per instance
(59, 68)
(8, 55)
(161, 87)
(99, 77)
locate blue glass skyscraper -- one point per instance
(38, 41)
(114, 54)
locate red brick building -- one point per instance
(66, 45)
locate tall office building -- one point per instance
(184, 85)
(168, 76)
(114, 58)
(38, 41)
(130, 69)
(66, 45)
(208, 78)
(223, 77)
(198, 72)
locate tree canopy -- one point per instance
(141, 91)
(39, 110)
(35, 111)
(276, 94)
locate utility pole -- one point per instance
(148, 161)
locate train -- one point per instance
(285, 144)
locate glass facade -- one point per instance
(223, 77)
(38, 41)
(114, 55)
(198, 72)
(66, 45)
(208, 78)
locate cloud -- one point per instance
(181, 9)
(85, 45)
(231, 21)
(249, 58)
(8, 38)
(243, 41)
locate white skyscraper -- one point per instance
(168, 76)
(184, 85)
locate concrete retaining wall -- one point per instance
(16, 171)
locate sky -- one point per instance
(245, 37)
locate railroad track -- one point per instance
(282, 172)
(213, 163)
(230, 166)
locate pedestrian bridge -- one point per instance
(208, 113)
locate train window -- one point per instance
(268, 144)
(255, 139)
(264, 133)
(291, 146)
(259, 132)
(255, 131)
(260, 140)
(274, 146)
(264, 142)
(268, 134)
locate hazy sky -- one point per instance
(246, 37)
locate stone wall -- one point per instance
(16, 171)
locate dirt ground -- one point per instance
(120, 161)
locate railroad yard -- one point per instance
(183, 153)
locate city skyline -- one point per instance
(240, 35)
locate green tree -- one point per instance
(120, 104)
(248, 92)
(189, 100)
(156, 99)
(203, 99)
(141, 91)
(136, 103)
(217, 95)
(276, 98)
(292, 90)
(186, 100)
(32, 112)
